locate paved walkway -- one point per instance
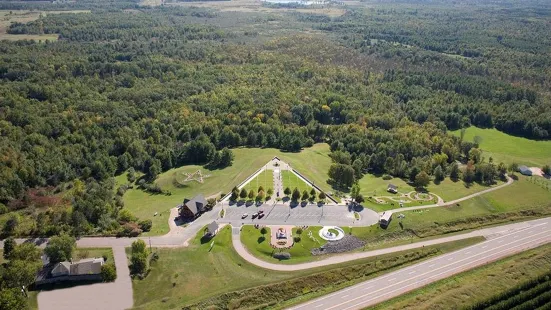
(488, 233)
(452, 202)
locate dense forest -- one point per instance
(152, 88)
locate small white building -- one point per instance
(385, 219)
(83, 267)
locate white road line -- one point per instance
(345, 296)
(357, 286)
(439, 268)
(468, 253)
(451, 258)
(364, 301)
(412, 272)
(484, 246)
(318, 306)
(389, 280)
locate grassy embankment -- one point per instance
(292, 181)
(483, 284)
(506, 148)
(246, 162)
(264, 179)
(221, 277)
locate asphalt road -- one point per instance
(379, 289)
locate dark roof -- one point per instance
(196, 203)
(392, 186)
(524, 170)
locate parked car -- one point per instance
(244, 215)
(254, 215)
(261, 215)
(260, 212)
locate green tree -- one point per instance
(11, 224)
(270, 192)
(251, 194)
(260, 196)
(313, 192)
(305, 195)
(287, 191)
(321, 196)
(226, 157)
(243, 193)
(234, 194)
(263, 231)
(260, 188)
(12, 299)
(422, 179)
(139, 246)
(355, 191)
(342, 175)
(20, 273)
(513, 167)
(454, 171)
(439, 174)
(469, 173)
(138, 263)
(60, 248)
(131, 175)
(108, 273)
(9, 246)
(502, 170)
(26, 252)
(296, 194)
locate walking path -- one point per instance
(118, 295)
(488, 233)
(452, 202)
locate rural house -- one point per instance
(192, 208)
(84, 270)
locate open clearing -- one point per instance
(506, 148)
(478, 284)
(187, 275)
(255, 6)
(246, 162)
(469, 214)
(23, 16)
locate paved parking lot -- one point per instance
(307, 215)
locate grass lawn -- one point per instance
(188, 275)
(300, 252)
(292, 181)
(465, 289)
(372, 185)
(505, 148)
(264, 179)
(246, 162)
(521, 195)
(82, 253)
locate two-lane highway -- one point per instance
(401, 281)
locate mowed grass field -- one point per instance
(187, 275)
(479, 284)
(448, 190)
(521, 195)
(313, 162)
(506, 148)
(264, 179)
(292, 181)
(260, 247)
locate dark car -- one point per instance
(255, 215)
(261, 215)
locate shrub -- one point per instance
(282, 255)
(145, 225)
(387, 177)
(108, 273)
(3, 208)
(129, 230)
(297, 239)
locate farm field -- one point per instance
(188, 275)
(508, 149)
(219, 181)
(469, 288)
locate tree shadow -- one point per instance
(261, 239)
(293, 204)
(303, 203)
(206, 238)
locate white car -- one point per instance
(244, 215)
